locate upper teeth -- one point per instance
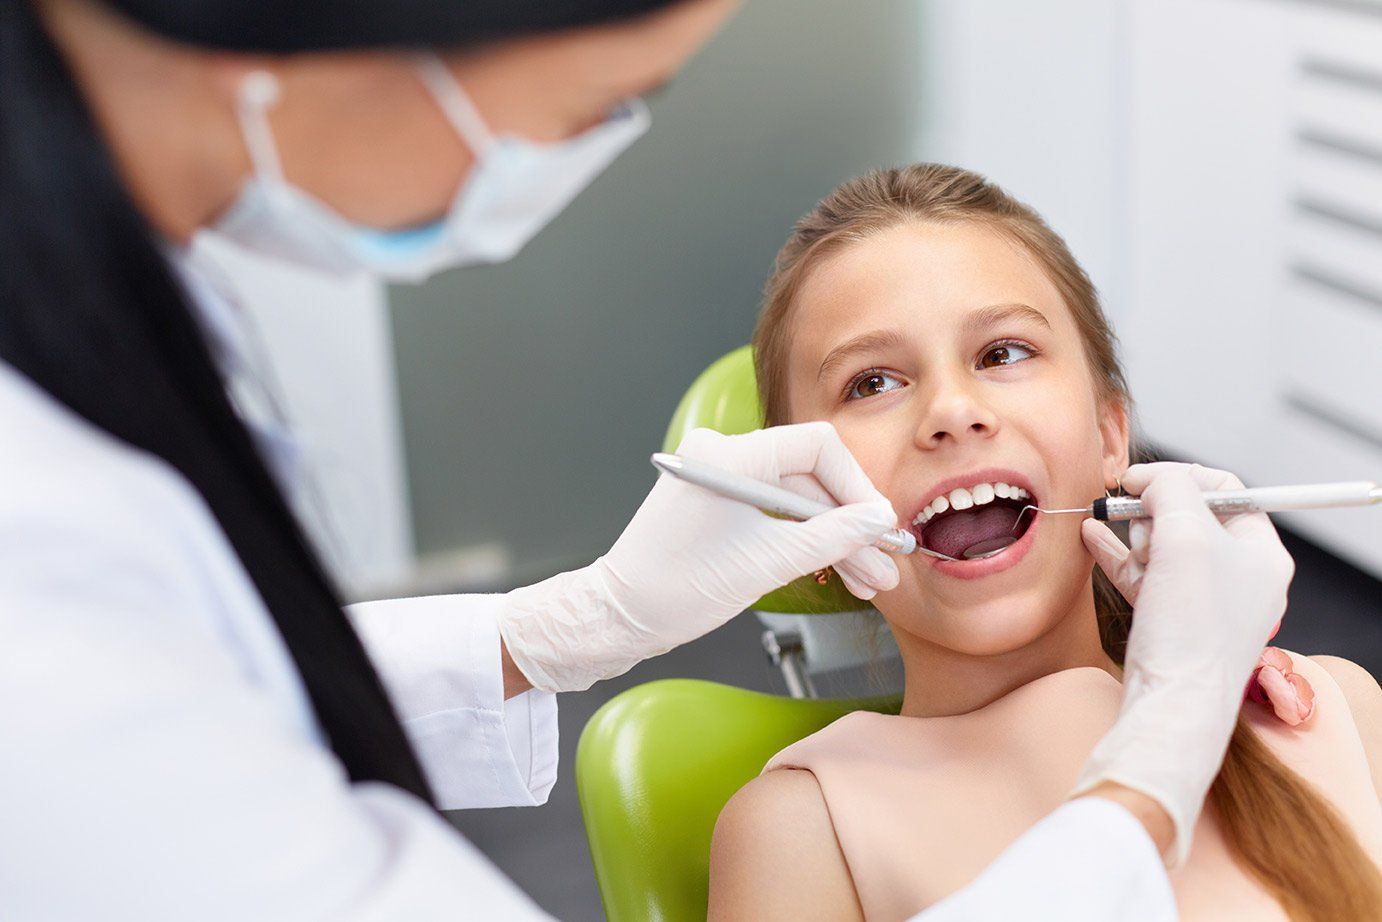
(961, 498)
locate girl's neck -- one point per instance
(944, 682)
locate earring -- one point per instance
(1110, 494)
(822, 576)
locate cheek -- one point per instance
(877, 445)
(1064, 434)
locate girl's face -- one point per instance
(945, 358)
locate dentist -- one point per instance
(192, 725)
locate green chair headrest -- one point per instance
(725, 398)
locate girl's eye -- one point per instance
(1007, 352)
(869, 384)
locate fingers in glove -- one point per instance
(809, 448)
(1252, 526)
(860, 590)
(1137, 477)
(870, 567)
(807, 485)
(1181, 524)
(882, 574)
(816, 448)
(1140, 540)
(839, 472)
(1172, 492)
(827, 539)
(1113, 557)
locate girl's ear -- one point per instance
(1114, 433)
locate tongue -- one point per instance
(953, 534)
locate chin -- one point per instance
(986, 624)
(992, 628)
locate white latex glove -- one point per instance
(691, 559)
(1208, 594)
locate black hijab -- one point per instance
(317, 25)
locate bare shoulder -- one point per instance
(775, 855)
(1360, 689)
(1364, 698)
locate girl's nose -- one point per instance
(956, 414)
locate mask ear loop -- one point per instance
(456, 105)
(258, 93)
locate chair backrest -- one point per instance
(655, 766)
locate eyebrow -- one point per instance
(864, 342)
(994, 314)
(977, 320)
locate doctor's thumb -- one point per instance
(1112, 556)
(1109, 553)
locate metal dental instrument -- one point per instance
(1232, 502)
(1106, 509)
(773, 499)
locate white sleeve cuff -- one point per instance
(1089, 861)
(440, 660)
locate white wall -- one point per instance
(1255, 280)
(1163, 139)
(1028, 93)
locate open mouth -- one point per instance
(968, 523)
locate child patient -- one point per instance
(962, 355)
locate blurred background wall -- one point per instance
(533, 392)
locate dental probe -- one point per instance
(771, 498)
(1233, 502)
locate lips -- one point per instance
(939, 527)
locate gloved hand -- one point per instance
(1274, 681)
(1209, 595)
(691, 559)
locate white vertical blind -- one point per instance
(1255, 205)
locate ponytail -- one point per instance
(1281, 831)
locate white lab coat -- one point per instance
(159, 758)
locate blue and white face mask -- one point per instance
(515, 188)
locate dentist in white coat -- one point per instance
(191, 726)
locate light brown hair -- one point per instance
(1283, 832)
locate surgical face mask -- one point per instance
(514, 189)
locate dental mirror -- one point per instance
(988, 547)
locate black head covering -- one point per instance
(287, 26)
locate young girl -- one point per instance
(960, 351)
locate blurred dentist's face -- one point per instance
(974, 373)
(360, 132)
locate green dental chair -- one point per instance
(656, 764)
